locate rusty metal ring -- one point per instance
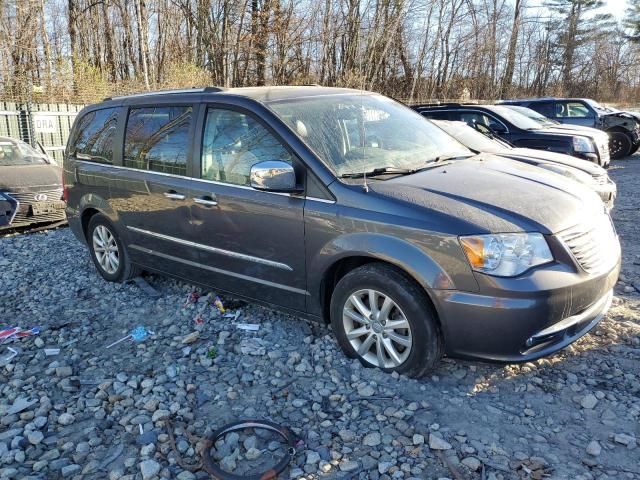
(215, 471)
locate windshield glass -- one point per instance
(597, 106)
(355, 133)
(532, 114)
(516, 118)
(470, 137)
(15, 153)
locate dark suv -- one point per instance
(516, 129)
(623, 127)
(342, 206)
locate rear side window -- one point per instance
(93, 136)
(157, 139)
(544, 108)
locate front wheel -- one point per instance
(634, 148)
(619, 145)
(384, 319)
(108, 252)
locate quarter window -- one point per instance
(157, 139)
(94, 134)
(232, 143)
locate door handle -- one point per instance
(206, 201)
(173, 195)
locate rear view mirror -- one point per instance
(274, 176)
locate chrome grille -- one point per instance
(24, 214)
(595, 246)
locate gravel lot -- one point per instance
(80, 414)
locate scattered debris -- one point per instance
(51, 351)
(191, 299)
(17, 332)
(192, 337)
(250, 327)
(8, 358)
(233, 315)
(217, 472)
(199, 319)
(219, 305)
(138, 334)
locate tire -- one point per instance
(100, 231)
(620, 145)
(634, 148)
(421, 345)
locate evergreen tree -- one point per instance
(632, 20)
(581, 22)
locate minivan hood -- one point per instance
(491, 194)
(19, 177)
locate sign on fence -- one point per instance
(45, 123)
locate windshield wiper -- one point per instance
(444, 158)
(379, 171)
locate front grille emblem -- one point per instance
(40, 197)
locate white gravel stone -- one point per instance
(66, 419)
(437, 443)
(149, 469)
(589, 402)
(594, 448)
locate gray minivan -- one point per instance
(346, 207)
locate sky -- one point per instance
(615, 7)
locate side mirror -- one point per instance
(274, 176)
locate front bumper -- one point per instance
(522, 319)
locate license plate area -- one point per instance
(43, 208)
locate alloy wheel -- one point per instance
(106, 249)
(377, 329)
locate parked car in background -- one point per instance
(515, 128)
(7, 209)
(343, 206)
(30, 178)
(586, 173)
(623, 127)
(602, 138)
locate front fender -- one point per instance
(431, 273)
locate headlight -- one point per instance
(583, 144)
(506, 254)
(569, 172)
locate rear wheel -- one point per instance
(385, 320)
(108, 252)
(619, 145)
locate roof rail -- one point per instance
(169, 92)
(441, 104)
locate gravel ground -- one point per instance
(140, 410)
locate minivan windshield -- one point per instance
(516, 118)
(15, 153)
(355, 133)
